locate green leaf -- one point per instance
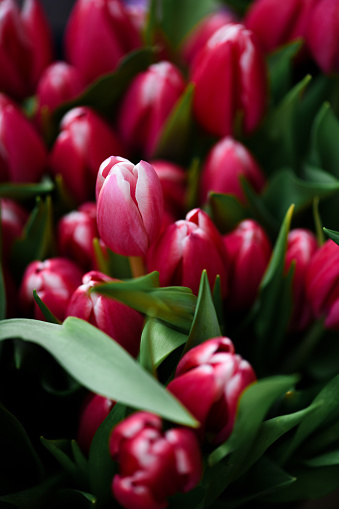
(205, 322)
(44, 309)
(61, 451)
(280, 69)
(254, 404)
(99, 364)
(33, 497)
(324, 147)
(334, 235)
(175, 135)
(226, 211)
(26, 191)
(324, 460)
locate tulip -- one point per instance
(25, 47)
(98, 35)
(322, 284)
(129, 206)
(54, 280)
(117, 320)
(301, 246)
(322, 35)
(209, 380)
(60, 82)
(13, 220)
(93, 412)
(230, 79)
(147, 104)
(249, 250)
(276, 24)
(76, 232)
(226, 163)
(84, 141)
(137, 11)
(153, 464)
(203, 31)
(23, 155)
(185, 249)
(173, 180)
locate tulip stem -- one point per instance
(137, 266)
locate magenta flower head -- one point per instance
(230, 79)
(153, 464)
(23, 155)
(185, 249)
(301, 246)
(209, 381)
(173, 179)
(227, 162)
(54, 280)
(84, 141)
(249, 250)
(322, 284)
(13, 219)
(119, 321)
(25, 47)
(147, 104)
(98, 35)
(129, 205)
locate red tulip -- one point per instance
(13, 220)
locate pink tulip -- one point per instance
(98, 35)
(249, 250)
(13, 220)
(23, 155)
(153, 464)
(173, 180)
(226, 163)
(84, 141)
(76, 232)
(147, 104)
(122, 323)
(130, 205)
(230, 78)
(185, 249)
(94, 411)
(54, 280)
(209, 380)
(301, 246)
(322, 284)
(25, 47)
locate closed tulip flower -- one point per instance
(209, 381)
(185, 249)
(153, 464)
(230, 79)
(84, 141)
(129, 206)
(25, 47)
(54, 280)
(122, 323)
(98, 35)
(147, 104)
(322, 284)
(13, 220)
(249, 250)
(23, 155)
(226, 164)
(173, 180)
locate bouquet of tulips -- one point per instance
(169, 283)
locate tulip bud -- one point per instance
(227, 162)
(153, 464)
(117, 320)
(209, 381)
(173, 180)
(129, 205)
(60, 82)
(322, 284)
(76, 232)
(147, 104)
(185, 249)
(230, 79)
(54, 280)
(249, 250)
(84, 141)
(301, 246)
(94, 411)
(25, 47)
(13, 221)
(23, 154)
(278, 23)
(322, 35)
(98, 35)
(203, 31)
